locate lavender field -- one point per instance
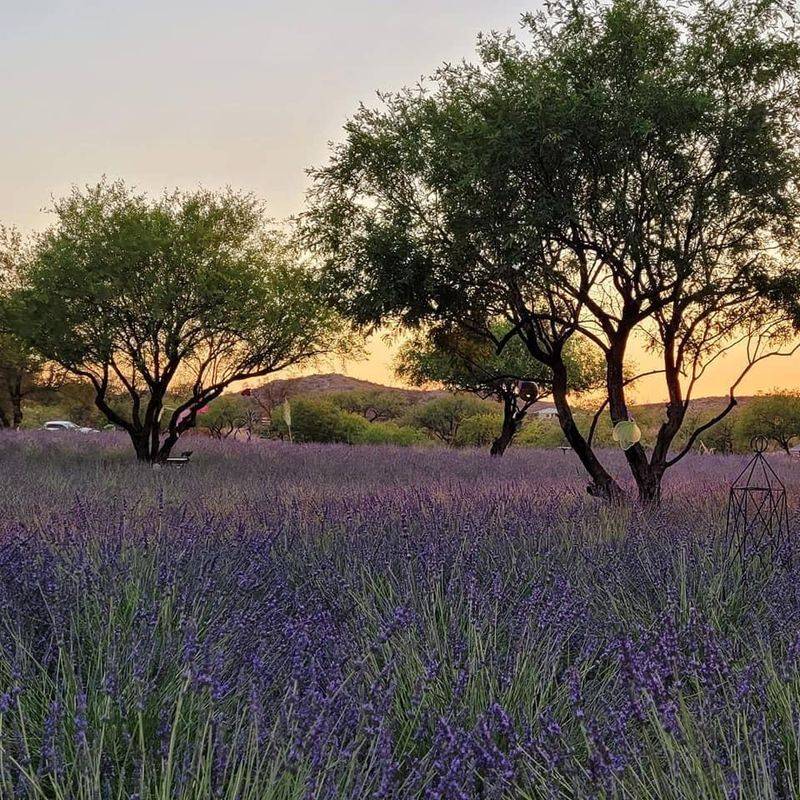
(351, 622)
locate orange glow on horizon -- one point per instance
(773, 373)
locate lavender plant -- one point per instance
(285, 622)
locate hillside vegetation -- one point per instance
(333, 407)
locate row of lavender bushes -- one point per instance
(284, 622)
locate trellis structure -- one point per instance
(758, 518)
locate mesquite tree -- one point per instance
(624, 172)
(23, 371)
(465, 362)
(775, 416)
(138, 295)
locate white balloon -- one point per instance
(627, 433)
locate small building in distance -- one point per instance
(545, 412)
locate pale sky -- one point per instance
(243, 93)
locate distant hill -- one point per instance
(276, 391)
(334, 383)
(704, 404)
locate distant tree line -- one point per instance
(386, 417)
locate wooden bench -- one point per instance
(178, 461)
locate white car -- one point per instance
(65, 425)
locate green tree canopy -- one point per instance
(442, 417)
(319, 420)
(775, 416)
(23, 371)
(464, 361)
(137, 294)
(375, 405)
(228, 415)
(622, 171)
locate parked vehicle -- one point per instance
(65, 425)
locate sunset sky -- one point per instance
(244, 93)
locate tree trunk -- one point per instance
(145, 434)
(141, 444)
(603, 486)
(147, 441)
(15, 394)
(5, 422)
(650, 487)
(16, 411)
(646, 474)
(511, 422)
(501, 443)
(170, 440)
(150, 448)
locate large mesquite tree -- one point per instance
(139, 295)
(624, 172)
